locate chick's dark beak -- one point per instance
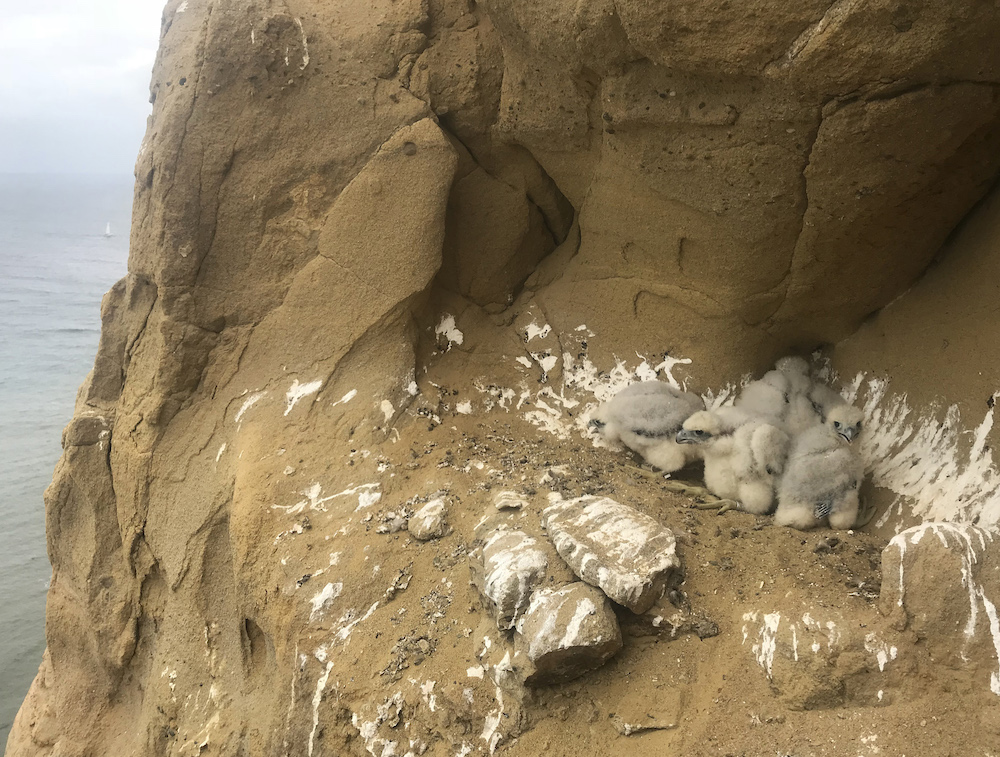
(848, 434)
(686, 437)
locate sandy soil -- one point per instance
(707, 696)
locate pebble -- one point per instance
(429, 522)
(508, 500)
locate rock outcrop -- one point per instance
(940, 583)
(400, 247)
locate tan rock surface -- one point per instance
(940, 583)
(392, 248)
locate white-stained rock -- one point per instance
(814, 657)
(430, 521)
(513, 565)
(612, 546)
(508, 500)
(940, 581)
(567, 631)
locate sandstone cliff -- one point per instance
(389, 251)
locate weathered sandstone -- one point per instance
(403, 246)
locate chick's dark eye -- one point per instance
(836, 424)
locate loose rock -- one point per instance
(513, 565)
(429, 522)
(508, 500)
(567, 632)
(612, 546)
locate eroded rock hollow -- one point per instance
(387, 255)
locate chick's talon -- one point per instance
(691, 490)
(646, 471)
(720, 505)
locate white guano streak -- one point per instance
(305, 45)
(250, 401)
(317, 698)
(925, 459)
(346, 398)
(448, 329)
(767, 635)
(297, 391)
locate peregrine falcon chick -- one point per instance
(743, 455)
(780, 398)
(823, 399)
(824, 471)
(646, 417)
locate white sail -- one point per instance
(107, 229)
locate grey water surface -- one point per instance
(55, 265)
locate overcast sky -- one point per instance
(74, 92)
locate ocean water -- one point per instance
(55, 265)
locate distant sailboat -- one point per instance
(107, 230)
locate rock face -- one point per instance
(628, 555)
(755, 168)
(320, 187)
(928, 383)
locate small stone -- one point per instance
(627, 729)
(429, 521)
(627, 554)
(508, 500)
(567, 632)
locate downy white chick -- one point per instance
(823, 399)
(743, 455)
(824, 471)
(646, 417)
(780, 397)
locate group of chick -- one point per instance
(786, 445)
